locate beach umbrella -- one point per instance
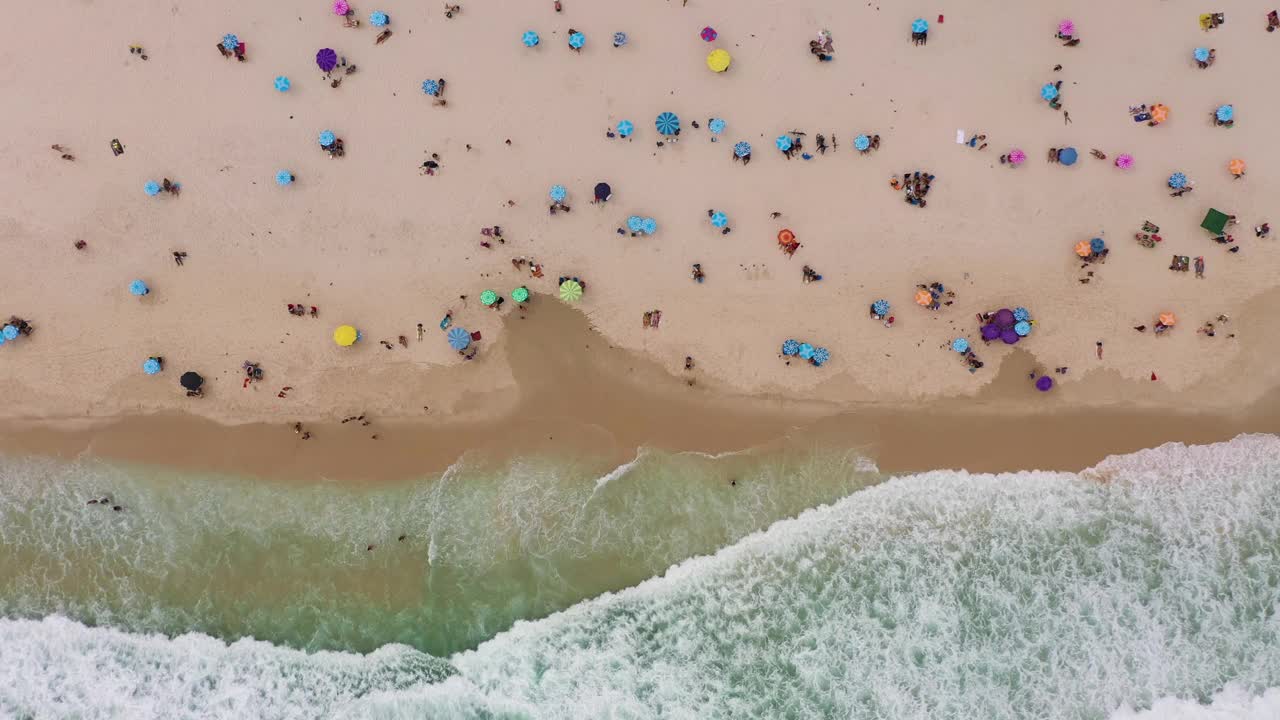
(625, 128)
(1021, 314)
(1124, 161)
(820, 356)
(619, 39)
(326, 59)
(191, 380)
(1066, 28)
(719, 219)
(924, 298)
(719, 60)
(960, 345)
(880, 307)
(635, 223)
(284, 177)
(488, 297)
(1177, 181)
(230, 42)
(377, 18)
(10, 332)
(1048, 92)
(151, 188)
(742, 149)
(790, 347)
(786, 237)
(603, 192)
(1017, 157)
(1168, 318)
(282, 83)
(520, 294)
(139, 288)
(151, 366)
(1010, 336)
(1215, 221)
(577, 40)
(1159, 113)
(1004, 318)
(431, 87)
(327, 138)
(862, 142)
(1236, 167)
(783, 142)
(649, 226)
(459, 339)
(716, 126)
(558, 193)
(1201, 54)
(990, 331)
(1082, 249)
(1225, 113)
(346, 335)
(919, 25)
(1022, 329)
(1096, 245)
(340, 7)
(1068, 156)
(570, 291)
(1044, 383)
(667, 123)
(806, 351)
(709, 33)
(530, 38)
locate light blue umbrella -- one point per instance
(783, 142)
(649, 226)
(230, 42)
(820, 356)
(151, 366)
(719, 219)
(377, 18)
(284, 177)
(1177, 181)
(881, 307)
(1048, 92)
(790, 347)
(1096, 245)
(530, 38)
(431, 87)
(1022, 329)
(577, 40)
(862, 142)
(919, 25)
(635, 223)
(558, 193)
(139, 288)
(960, 345)
(327, 138)
(806, 351)
(625, 128)
(667, 123)
(283, 84)
(459, 339)
(10, 332)
(1225, 113)
(742, 149)
(151, 188)
(1021, 313)
(1068, 156)
(619, 39)
(1201, 54)
(716, 126)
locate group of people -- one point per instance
(1149, 235)
(914, 185)
(822, 48)
(300, 310)
(937, 292)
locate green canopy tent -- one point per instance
(1215, 221)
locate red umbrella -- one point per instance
(709, 33)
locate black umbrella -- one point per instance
(603, 192)
(191, 380)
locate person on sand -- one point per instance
(451, 10)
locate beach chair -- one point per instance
(1215, 221)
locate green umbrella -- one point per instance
(570, 291)
(488, 297)
(520, 294)
(1215, 221)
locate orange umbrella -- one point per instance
(924, 297)
(1159, 113)
(1236, 166)
(1083, 249)
(1168, 319)
(786, 237)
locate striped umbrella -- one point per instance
(488, 297)
(570, 291)
(459, 339)
(667, 123)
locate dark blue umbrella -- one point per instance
(1068, 156)
(667, 123)
(603, 192)
(1096, 245)
(790, 347)
(459, 339)
(742, 149)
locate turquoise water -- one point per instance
(1151, 582)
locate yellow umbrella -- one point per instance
(1236, 167)
(1168, 319)
(345, 336)
(719, 60)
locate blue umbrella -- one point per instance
(742, 149)
(960, 345)
(10, 332)
(284, 177)
(1177, 181)
(377, 18)
(431, 87)
(1097, 245)
(577, 40)
(151, 188)
(619, 39)
(790, 347)
(282, 83)
(558, 193)
(649, 226)
(881, 307)
(806, 351)
(862, 142)
(530, 38)
(821, 356)
(151, 366)
(635, 223)
(1068, 156)
(327, 138)
(625, 128)
(1048, 92)
(919, 25)
(1225, 113)
(783, 142)
(719, 219)
(667, 123)
(716, 126)
(1022, 329)
(139, 288)
(1021, 313)
(1201, 54)
(459, 339)
(230, 42)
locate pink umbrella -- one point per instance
(1017, 157)
(709, 33)
(1066, 28)
(1124, 162)
(340, 7)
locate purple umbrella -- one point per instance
(990, 332)
(1043, 383)
(1009, 336)
(327, 59)
(1004, 318)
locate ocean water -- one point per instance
(1148, 587)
